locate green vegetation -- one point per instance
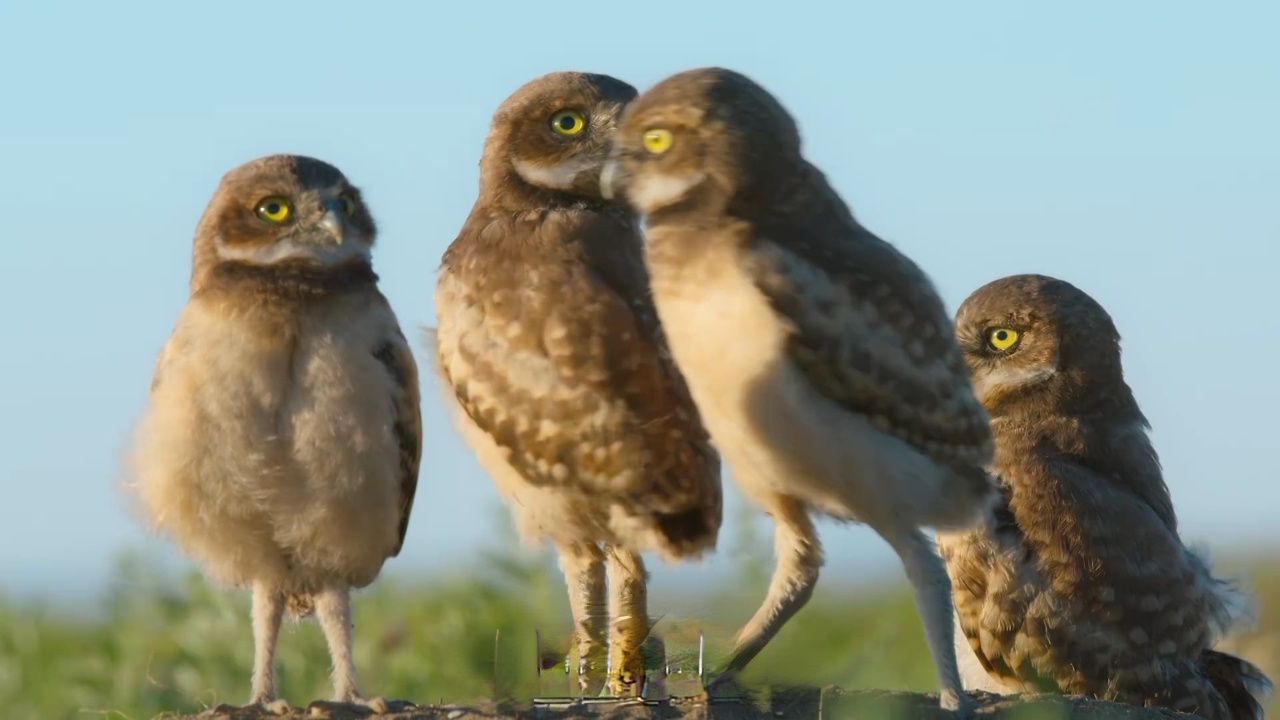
(162, 644)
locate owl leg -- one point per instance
(583, 567)
(799, 558)
(333, 612)
(932, 588)
(629, 621)
(268, 610)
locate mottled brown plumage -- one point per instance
(282, 437)
(1082, 584)
(549, 342)
(820, 358)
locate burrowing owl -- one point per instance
(281, 442)
(1081, 584)
(550, 344)
(820, 358)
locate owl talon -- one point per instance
(264, 706)
(353, 706)
(625, 686)
(379, 705)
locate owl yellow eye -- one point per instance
(274, 209)
(568, 123)
(1002, 339)
(348, 205)
(657, 140)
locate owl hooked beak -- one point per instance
(613, 180)
(331, 224)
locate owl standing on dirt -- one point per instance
(1081, 585)
(549, 342)
(820, 358)
(281, 442)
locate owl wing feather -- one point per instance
(550, 343)
(868, 329)
(162, 362)
(1088, 590)
(1097, 542)
(397, 358)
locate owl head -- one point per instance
(708, 138)
(550, 138)
(283, 209)
(1036, 342)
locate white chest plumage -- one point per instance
(273, 455)
(721, 328)
(730, 345)
(779, 435)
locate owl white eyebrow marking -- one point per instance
(559, 176)
(290, 249)
(650, 192)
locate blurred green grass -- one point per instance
(178, 644)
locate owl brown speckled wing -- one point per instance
(868, 328)
(394, 354)
(551, 346)
(1088, 591)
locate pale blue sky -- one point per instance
(1132, 148)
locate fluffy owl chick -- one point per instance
(1081, 584)
(281, 442)
(549, 342)
(820, 358)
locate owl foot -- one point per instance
(625, 685)
(590, 678)
(258, 707)
(355, 706)
(958, 703)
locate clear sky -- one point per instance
(1131, 148)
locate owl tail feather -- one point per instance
(299, 605)
(686, 533)
(1240, 683)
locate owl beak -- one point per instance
(612, 180)
(331, 223)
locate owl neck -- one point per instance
(501, 187)
(1082, 426)
(291, 281)
(1035, 417)
(794, 191)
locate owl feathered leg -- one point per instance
(629, 621)
(932, 586)
(268, 610)
(799, 559)
(333, 612)
(584, 574)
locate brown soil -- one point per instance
(829, 703)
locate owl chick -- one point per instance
(1081, 584)
(820, 358)
(548, 340)
(280, 445)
